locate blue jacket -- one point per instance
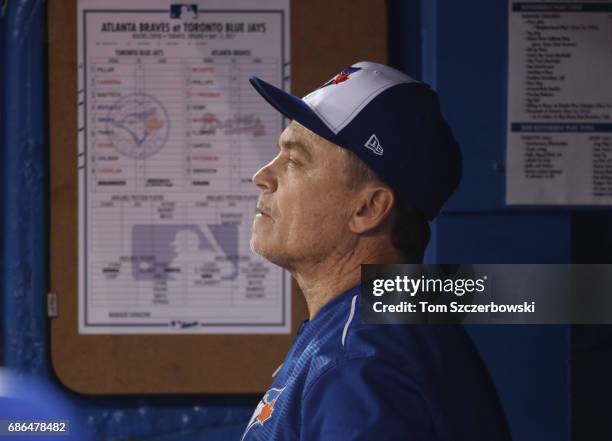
(344, 380)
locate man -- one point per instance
(366, 161)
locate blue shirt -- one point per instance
(344, 380)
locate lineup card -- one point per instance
(559, 139)
(170, 134)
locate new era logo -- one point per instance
(374, 144)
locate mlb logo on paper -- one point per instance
(340, 99)
(184, 11)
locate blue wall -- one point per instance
(554, 381)
(463, 55)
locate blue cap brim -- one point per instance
(293, 108)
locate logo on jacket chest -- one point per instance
(264, 410)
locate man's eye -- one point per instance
(291, 162)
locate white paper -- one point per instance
(170, 134)
(559, 138)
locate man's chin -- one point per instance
(267, 252)
(258, 245)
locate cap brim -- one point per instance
(293, 108)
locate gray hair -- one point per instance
(410, 231)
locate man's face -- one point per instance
(304, 208)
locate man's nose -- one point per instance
(265, 178)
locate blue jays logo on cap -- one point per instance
(342, 76)
(264, 410)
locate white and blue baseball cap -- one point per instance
(390, 121)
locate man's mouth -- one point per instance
(261, 212)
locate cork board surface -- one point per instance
(326, 35)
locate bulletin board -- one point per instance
(326, 35)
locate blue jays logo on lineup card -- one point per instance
(264, 410)
(342, 76)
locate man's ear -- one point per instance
(373, 207)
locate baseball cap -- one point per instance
(390, 121)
